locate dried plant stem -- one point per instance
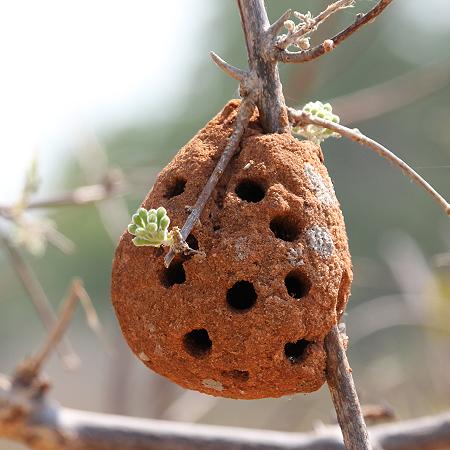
(343, 392)
(31, 367)
(82, 195)
(39, 299)
(57, 428)
(243, 116)
(300, 117)
(329, 44)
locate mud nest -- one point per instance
(247, 319)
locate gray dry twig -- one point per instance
(302, 118)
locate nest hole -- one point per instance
(344, 291)
(197, 343)
(174, 274)
(295, 352)
(241, 296)
(250, 190)
(285, 228)
(297, 284)
(192, 241)
(237, 375)
(175, 188)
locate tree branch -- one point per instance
(259, 40)
(343, 392)
(301, 118)
(42, 424)
(286, 56)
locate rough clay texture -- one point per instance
(274, 224)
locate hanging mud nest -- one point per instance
(247, 317)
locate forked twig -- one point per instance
(286, 56)
(39, 299)
(301, 118)
(242, 118)
(31, 367)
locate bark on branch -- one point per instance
(330, 44)
(42, 425)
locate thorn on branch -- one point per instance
(233, 72)
(276, 26)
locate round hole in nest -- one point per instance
(238, 375)
(192, 241)
(295, 352)
(197, 343)
(250, 190)
(175, 188)
(285, 228)
(297, 284)
(174, 274)
(241, 296)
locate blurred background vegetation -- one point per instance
(398, 318)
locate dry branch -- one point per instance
(39, 299)
(343, 392)
(286, 56)
(45, 426)
(301, 118)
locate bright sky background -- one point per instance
(66, 66)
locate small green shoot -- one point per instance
(150, 228)
(316, 133)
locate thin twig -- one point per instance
(31, 367)
(242, 118)
(79, 196)
(343, 392)
(39, 299)
(286, 56)
(310, 24)
(300, 117)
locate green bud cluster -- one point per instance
(316, 133)
(150, 227)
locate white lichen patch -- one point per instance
(324, 193)
(241, 248)
(249, 164)
(212, 384)
(295, 257)
(143, 357)
(319, 240)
